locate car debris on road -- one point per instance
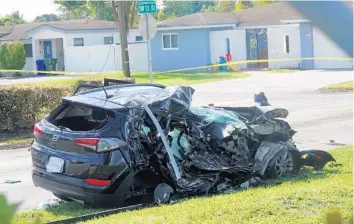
(117, 145)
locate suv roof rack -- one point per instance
(88, 88)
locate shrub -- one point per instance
(22, 106)
(12, 55)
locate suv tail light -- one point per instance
(37, 131)
(100, 144)
(96, 182)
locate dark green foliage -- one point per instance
(12, 55)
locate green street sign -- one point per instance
(147, 7)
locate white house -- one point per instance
(78, 45)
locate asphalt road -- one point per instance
(317, 117)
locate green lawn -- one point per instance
(160, 78)
(303, 199)
(338, 87)
(16, 143)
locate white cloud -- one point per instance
(29, 8)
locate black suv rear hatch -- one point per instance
(72, 121)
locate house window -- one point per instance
(139, 38)
(287, 44)
(28, 50)
(107, 40)
(78, 41)
(169, 41)
(227, 45)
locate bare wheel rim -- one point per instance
(284, 164)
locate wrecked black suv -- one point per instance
(110, 146)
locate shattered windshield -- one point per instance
(210, 115)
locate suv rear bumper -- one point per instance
(78, 189)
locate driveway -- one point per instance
(317, 117)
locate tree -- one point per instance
(100, 10)
(12, 19)
(119, 9)
(263, 2)
(12, 55)
(73, 9)
(180, 8)
(96, 10)
(231, 6)
(46, 18)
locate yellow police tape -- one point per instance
(260, 61)
(179, 70)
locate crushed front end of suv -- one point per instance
(121, 144)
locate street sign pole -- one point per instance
(146, 7)
(148, 48)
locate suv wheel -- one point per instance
(281, 165)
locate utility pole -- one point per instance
(120, 19)
(148, 48)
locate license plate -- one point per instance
(55, 165)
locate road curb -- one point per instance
(6, 146)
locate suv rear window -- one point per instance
(79, 117)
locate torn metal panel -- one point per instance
(176, 100)
(316, 158)
(132, 134)
(270, 113)
(164, 140)
(206, 149)
(267, 128)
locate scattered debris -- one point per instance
(332, 142)
(261, 99)
(335, 165)
(48, 204)
(12, 181)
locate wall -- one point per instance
(104, 58)
(29, 60)
(325, 47)
(193, 50)
(60, 54)
(276, 45)
(96, 37)
(29, 64)
(46, 32)
(306, 43)
(237, 45)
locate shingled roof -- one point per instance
(5, 30)
(19, 32)
(271, 14)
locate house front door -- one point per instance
(257, 47)
(47, 44)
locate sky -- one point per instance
(29, 8)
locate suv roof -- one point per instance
(119, 95)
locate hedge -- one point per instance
(21, 106)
